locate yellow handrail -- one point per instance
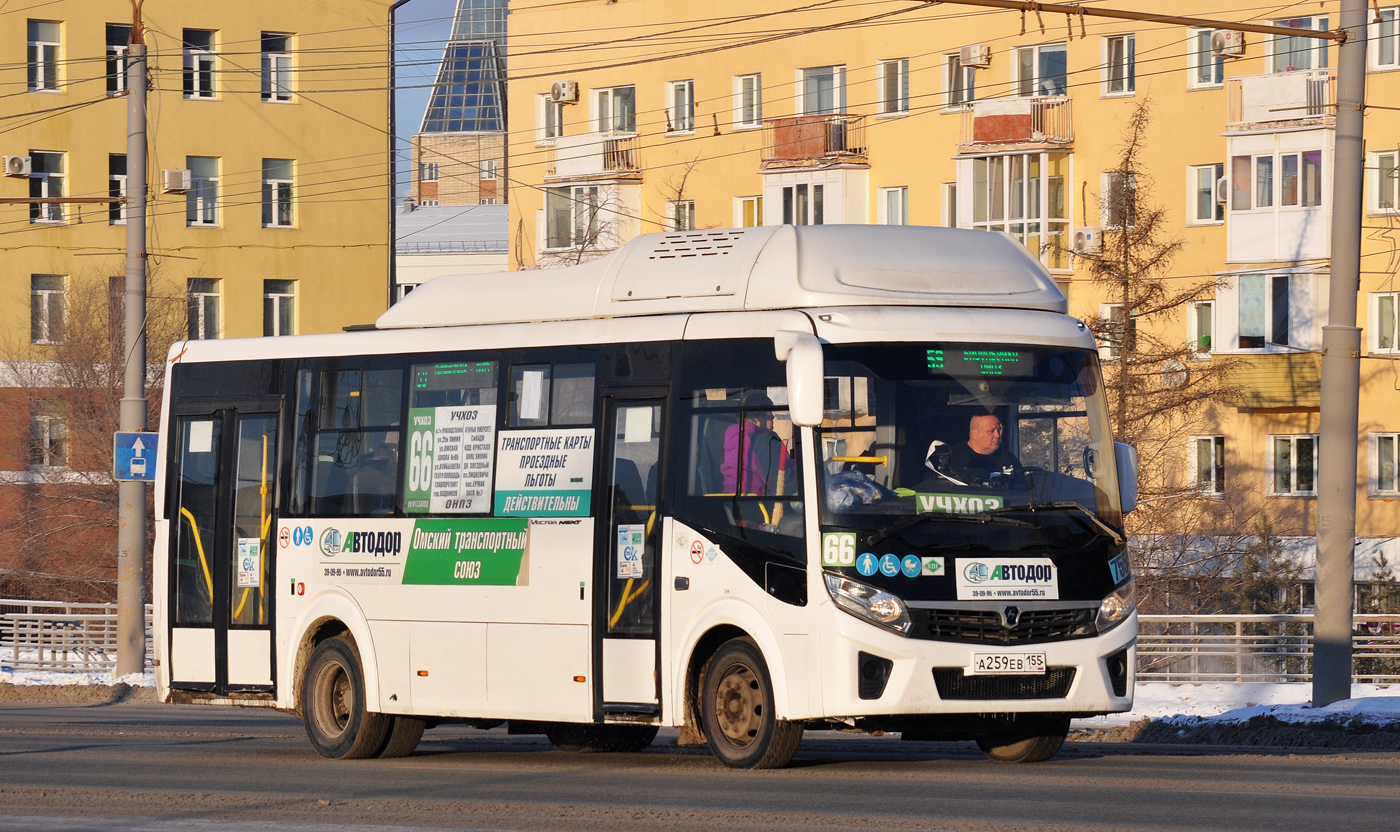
(199, 547)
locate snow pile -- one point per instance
(1229, 704)
(54, 677)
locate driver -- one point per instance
(977, 460)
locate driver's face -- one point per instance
(984, 436)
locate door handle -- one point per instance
(682, 584)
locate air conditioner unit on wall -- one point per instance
(1226, 43)
(18, 166)
(977, 55)
(564, 92)
(1222, 190)
(1088, 240)
(175, 180)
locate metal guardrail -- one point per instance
(63, 637)
(1243, 649)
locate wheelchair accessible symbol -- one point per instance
(867, 565)
(889, 566)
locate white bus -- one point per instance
(737, 482)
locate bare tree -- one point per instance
(62, 402)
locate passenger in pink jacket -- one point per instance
(763, 451)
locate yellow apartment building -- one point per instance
(269, 182)
(634, 116)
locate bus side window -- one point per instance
(355, 459)
(543, 395)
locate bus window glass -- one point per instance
(452, 438)
(194, 545)
(382, 402)
(356, 449)
(1016, 435)
(301, 449)
(572, 402)
(255, 484)
(459, 383)
(529, 394)
(340, 399)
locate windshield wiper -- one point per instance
(982, 518)
(1090, 520)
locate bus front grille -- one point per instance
(952, 684)
(985, 626)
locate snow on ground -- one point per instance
(1221, 703)
(54, 677)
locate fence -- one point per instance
(1257, 648)
(51, 635)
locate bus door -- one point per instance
(628, 542)
(222, 521)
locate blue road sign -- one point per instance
(134, 457)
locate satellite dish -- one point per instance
(1174, 374)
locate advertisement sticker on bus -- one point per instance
(545, 473)
(249, 562)
(630, 540)
(1007, 578)
(450, 452)
(482, 552)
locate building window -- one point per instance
(571, 216)
(279, 307)
(487, 169)
(276, 67)
(680, 215)
(617, 110)
(48, 441)
(748, 101)
(804, 204)
(1290, 52)
(1118, 199)
(1264, 310)
(1385, 39)
(892, 76)
(1202, 326)
(748, 211)
(680, 106)
(1119, 70)
(950, 204)
(1041, 70)
(821, 90)
(202, 201)
(46, 177)
(277, 193)
(1203, 182)
(116, 188)
(47, 309)
(1291, 180)
(1384, 173)
(549, 119)
(487, 200)
(1382, 312)
(118, 39)
(1385, 472)
(1022, 194)
(894, 206)
(959, 82)
(1208, 464)
(1293, 466)
(43, 55)
(1206, 71)
(1119, 332)
(427, 171)
(199, 63)
(203, 301)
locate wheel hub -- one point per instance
(739, 705)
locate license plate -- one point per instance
(1006, 664)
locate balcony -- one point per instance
(1017, 122)
(1278, 380)
(593, 156)
(797, 141)
(1282, 99)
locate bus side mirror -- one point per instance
(1125, 456)
(803, 354)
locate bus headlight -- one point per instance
(864, 601)
(1118, 606)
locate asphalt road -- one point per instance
(173, 769)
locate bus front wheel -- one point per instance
(333, 705)
(736, 709)
(1031, 741)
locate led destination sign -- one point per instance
(988, 361)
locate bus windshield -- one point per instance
(968, 445)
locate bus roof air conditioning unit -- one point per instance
(175, 180)
(978, 55)
(18, 166)
(564, 92)
(1226, 43)
(1088, 240)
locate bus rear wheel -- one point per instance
(623, 739)
(736, 709)
(403, 736)
(1029, 741)
(333, 705)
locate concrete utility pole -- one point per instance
(1341, 379)
(131, 496)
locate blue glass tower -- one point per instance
(470, 92)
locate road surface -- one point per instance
(193, 768)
